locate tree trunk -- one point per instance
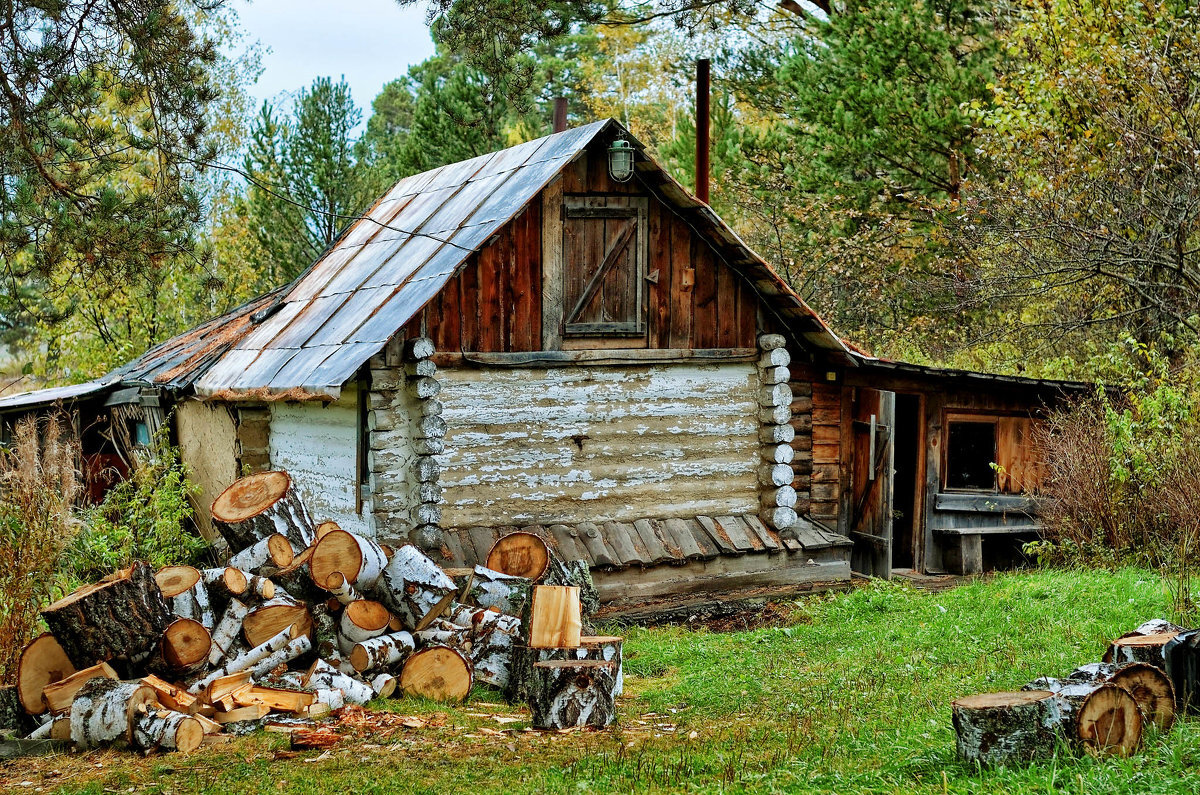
(385, 651)
(503, 592)
(1139, 648)
(438, 673)
(360, 560)
(1005, 728)
(565, 694)
(608, 648)
(254, 507)
(282, 612)
(43, 662)
(13, 716)
(1150, 687)
(275, 550)
(414, 588)
(119, 619)
(184, 589)
(224, 637)
(162, 728)
(519, 554)
(360, 621)
(104, 711)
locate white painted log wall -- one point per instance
(317, 444)
(663, 441)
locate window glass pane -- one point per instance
(969, 455)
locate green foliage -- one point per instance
(147, 517)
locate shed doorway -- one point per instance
(906, 483)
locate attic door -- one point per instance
(604, 266)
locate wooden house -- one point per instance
(557, 337)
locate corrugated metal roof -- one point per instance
(387, 265)
(946, 373)
(48, 397)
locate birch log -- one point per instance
(519, 554)
(323, 676)
(225, 636)
(565, 694)
(265, 620)
(384, 685)
(274, 550)
(1149, 685)
(438, 673)
(502, 592)
(360, 621)
(414, 588)
(296, 647)
(104, 710)
(1002, 728)
(382, 652)
(256, 506)
(359, 559)
(183, 587)
(607, 648)
(575, 573)
(1182, 657)
(41, 663)
(342, 590)
(118, 620)
(185, 647)
(245, 660)
(163, 728)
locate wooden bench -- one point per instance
(962, 552)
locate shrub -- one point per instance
(39, 483)
(146, 517)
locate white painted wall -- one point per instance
(317, 444)
(598, 443)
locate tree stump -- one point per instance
(184, 589)
(360, 560)
(566, 694)
(1139, 648)
(254, 507)
(163, 728)
(1002, 728)
(1103, 718)
(608, 648)
(1182, 657)
(438, 673)
(119, 619)
(43, 662)
(414, 588)
(104, 711)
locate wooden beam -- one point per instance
(594, 357)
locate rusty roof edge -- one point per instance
(879, 363)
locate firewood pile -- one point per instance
(1146, 677)
(305, 620)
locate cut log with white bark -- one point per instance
(775, 395)
(333, 697)
(382, 652)
(438, 673)
(166, 729)
(608, 648)
(775, 415)
(228, 631)
(275, 551)
(1103, 718)
(1139, 648)
(360, 621)
(555, 617)
(418, 348)
(342, 590)
(118, 620)
(414, 588)
(256, 506)
(322, 676)
(183, 587)
(779, 517)
(520, 554)
(328, 526)
(384, 685)
(184, 649)
(492, 639)
(267, 619)
(782, 497)
(1148, 684)
(775, 475)
(59, 695)
(445, 632)
(246, 660)
(104, 711)
(776, 434)
(567, 694)
(359, 559)
(297, 647)
(42, 662)
(503, 592)
(1006, 728)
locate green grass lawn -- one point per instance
(850, 695)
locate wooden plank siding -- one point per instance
(690, 296)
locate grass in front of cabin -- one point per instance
(849, 695)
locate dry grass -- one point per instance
(39, 483)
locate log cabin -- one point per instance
(559, 338)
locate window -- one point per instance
(604, 264)
(970, 451)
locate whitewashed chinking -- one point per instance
(599, 443)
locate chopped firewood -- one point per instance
(104, 710)
(43, 662)
(360, 560)
(555, 620)
(519, 555)
(275, 698)
(282, 612)
(415, 588)
(184, 588)
(222, 686)
(438, 673)
(314, 739)
(257, 506)
(167, 729)
(58, 696)
(238, 714)
(171, 696)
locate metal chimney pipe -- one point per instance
(560, 114)
(703, 67)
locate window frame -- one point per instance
(636, 208)
(951, 418)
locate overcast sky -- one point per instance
(369, 41)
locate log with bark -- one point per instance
(184, 589)
(382, 652)
(565, 694)
(104, 711)
(519, 554)
(445, 632)
(267, 619)
(119, 620)
(608, 648)
(42, 662)
(1139, 648)
(360, 621)
(1006, 728)
(1104, 718)
(164, 728)
(59, 695)
(493, 636)
(1149, 685)
(227, 583)
(343, 591)
(184, 649)
(438, 673)
(273, 551)
(228, 630)
(360, 560)
(322, 676)
(414, 588)
(503, 592)
(578, 574)
(1182, 658)
(13, 716)
(256, 506)
(384, 685)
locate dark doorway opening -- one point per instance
(906, 521)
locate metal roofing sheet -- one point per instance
(52, 395)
